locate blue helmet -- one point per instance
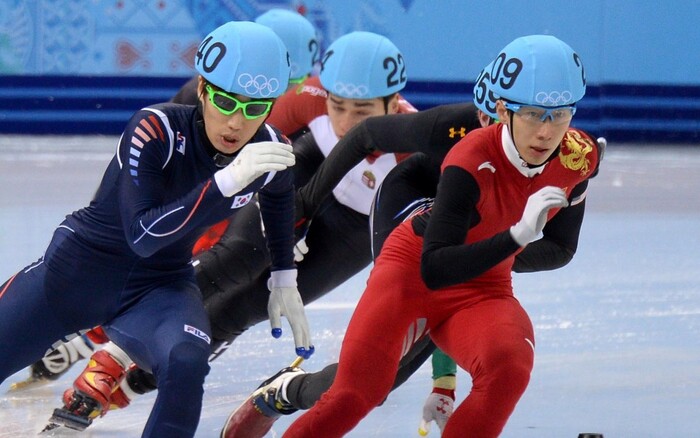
(363, 65)
(244, 58)
(534, 70)
(298, 34)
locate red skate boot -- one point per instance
(257, 414)
(94, 392)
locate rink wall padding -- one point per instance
(79, 105)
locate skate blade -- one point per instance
(49, 427)
(27, 383)
(65, 418)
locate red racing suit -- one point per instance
(451, 277)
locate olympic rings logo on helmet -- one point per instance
(554, 98)
(259, 85)
(350, 91)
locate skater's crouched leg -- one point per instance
(497, 349)
(180, 388)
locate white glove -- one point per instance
(437, 408)
(285, 300)
(535, 213)
(300, 250)
(253, 161)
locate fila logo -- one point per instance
(240, 201)
(486, 165)
(198, 333)
(462, 132)
(181, 141)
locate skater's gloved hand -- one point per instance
(438, 407)
(285, 300)
(254, 160)
(300, 250)
(535, 213)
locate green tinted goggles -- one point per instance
(227, 104)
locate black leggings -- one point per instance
(339, 247)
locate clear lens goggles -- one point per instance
(533, 113)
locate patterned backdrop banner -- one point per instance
(84, 66)
(137, 37)
(445, 40)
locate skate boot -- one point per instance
(255, 417)
(57, 362)
(94, 392)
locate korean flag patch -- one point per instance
(240, 201)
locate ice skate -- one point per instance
(94, 392)
(256, 415)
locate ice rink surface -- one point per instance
(618, 329)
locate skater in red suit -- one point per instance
(447, 271)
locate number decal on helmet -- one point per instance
(325, 58)
(314, 50)
(577, 61)
(505, 71)
(394, 64)
(203, 58)
(483, 96)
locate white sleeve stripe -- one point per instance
(579, 199)
(171, 136)
(273, 134)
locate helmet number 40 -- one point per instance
(208, 59)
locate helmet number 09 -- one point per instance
(393, 65)
(505, 71)
(208, 59)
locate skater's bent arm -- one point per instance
(446, 259)
(432, 132)
(150, 223)
(559, 240)
(277, 211)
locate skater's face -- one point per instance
(345, 113)
(535, 139)
(230, 120)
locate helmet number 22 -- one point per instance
(397, 70)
